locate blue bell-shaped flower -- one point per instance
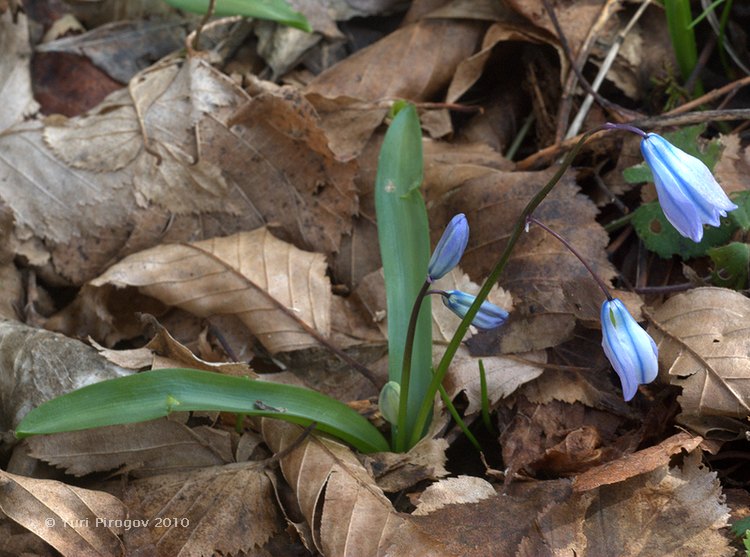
(489, 315)
(630, 349)
(449, 249)
(688, 193)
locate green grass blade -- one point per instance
(679, 18)
(403, 233)
(272, 10)
(154, 394)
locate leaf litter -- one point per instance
(238, 210)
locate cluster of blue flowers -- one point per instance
(446, 256)
(690, 198)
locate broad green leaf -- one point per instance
(731, 264)
(154, 394)
(741, 215)
(661, 237)
(273, 10)
(403, 233)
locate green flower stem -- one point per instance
(461, 424)
(403, 402)
(485, 398)
(450, 351)
(619, 223)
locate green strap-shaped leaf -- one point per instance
(154, 394)
(403, 233)
(273, 10)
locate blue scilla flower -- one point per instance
(450, 248)
(688, 193)
(630, 349)
(489, 315)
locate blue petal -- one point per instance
(631, 351)
(489, 315)
(449, 249)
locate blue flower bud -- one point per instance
(489, 315)
(688, 193)
(450, 248)
(630, 349)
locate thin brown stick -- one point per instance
(710, 96)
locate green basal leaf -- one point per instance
(741, 215)
(741, 527)
(687, 140)
(661, 237)
(272, 10)
(731, 264)
(154, 394)
(403, 233)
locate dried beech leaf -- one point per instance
(414, 62)
(15, 75)
(66, 517)
(37, 365)
(704, 347)
(670, 512)
(251, 275)
(453, 491)
(348, 513)
(217, 510)
(147, 448)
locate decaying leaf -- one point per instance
(666, 512)
(37, 365)
(704, 347)
(279, 292)
(453, 491)
(348, 513)
(224, 509)
(74, 521)
(15, 78)
(144, 449)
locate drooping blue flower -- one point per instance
(489, 315)
(630, 349)
(449, 249)
(688, 193)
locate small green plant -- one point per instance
(682, 35)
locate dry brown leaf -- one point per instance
(415, 63)
(15, 76)
(539, 265)
(274, 148)
(668, 512)
(37, 365)
(74, 521)
(144, 449)
(348, 513)
(221, 509)
(704, 347)
(424, 461)
(635, 464)
(252, 275)
(733, 168)
(16, 541)
(453, 491)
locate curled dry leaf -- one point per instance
(220, 509)
(74, 521)
(348, 513)
(453, 491)
(279, 292)
(704, 347)
(37, 365)
(144, 449)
